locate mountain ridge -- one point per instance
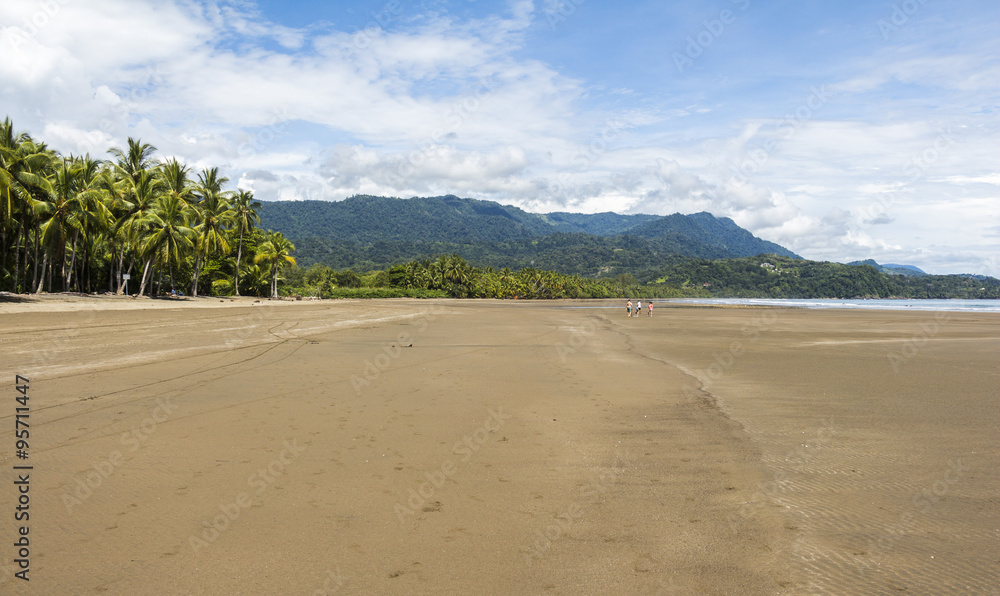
(370, 231)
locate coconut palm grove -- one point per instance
(128, 224)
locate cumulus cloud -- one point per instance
(433, 168)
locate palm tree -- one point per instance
(413, 276)
(209, 180)
(439, 272)
(60, 218)
(142, 195)
(456, 270)
(507, 281)
(257, 279)
(12, 190)
(136, 159)
(115, 193)
(140, 189)
(245, 213)
(216, 218)
(176, 180)
(169, 236)
(276, 250)
(213, 216)
(93, 215)
(24, 168)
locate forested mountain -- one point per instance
(571, 254)
(365, 233)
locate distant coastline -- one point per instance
(989, 305)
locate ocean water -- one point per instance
(858, 304)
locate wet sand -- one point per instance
(453, 447)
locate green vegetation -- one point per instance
(772, 276)
(453, 276)
(74, 223)
(570, 254)
(764, 276)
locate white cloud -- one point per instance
(434, 170)
(993, 178)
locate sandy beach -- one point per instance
(489, 447)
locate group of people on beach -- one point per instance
(638, 308)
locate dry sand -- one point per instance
(480, 447)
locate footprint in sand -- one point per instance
(432, 507)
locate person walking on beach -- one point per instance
(628, 308)
(638, 307)
(649, 311)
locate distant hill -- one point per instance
(771, 276)
(366, 232)
(903, 269)
(892, 269)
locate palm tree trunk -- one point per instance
(194, 278)
(41, 278)
(62, 261)
(72, 262)
(118, 280)
(25, 249)
(3, 242)
(3, 231)
(145, 272)
(274, 280)
(239, 253)
(17, 256)
(34, 276)
(111, 267)
(121, 262)
(78, 275)
(85, 267)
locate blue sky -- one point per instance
(841, 130)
